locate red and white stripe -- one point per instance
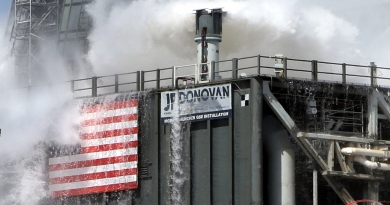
(109, 153)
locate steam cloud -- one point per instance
(149, 34)
(142, 35)
(29, 117)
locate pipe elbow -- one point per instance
(372, 165)
(347, 150)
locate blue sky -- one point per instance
(5, 6)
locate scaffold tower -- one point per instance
(33, 35)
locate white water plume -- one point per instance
(178, 177)
(141, 35)
(30, 117)
(24, 181)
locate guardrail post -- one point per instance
(72, 85)
(314, 71)
(258, 65)
(158, 74)
(285, 67)
(234, 68)
(142, 82)
(138, 81)
(94, 86)
(212, 77)
(173, 76)
(116, 83)
(344, 74)
(373, 74)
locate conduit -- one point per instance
(372, 165)
(364, 152)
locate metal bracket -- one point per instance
(341, 159)
(331, 156)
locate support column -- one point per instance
(372, 106)
(372, 128)
(373, 191)
(315, 187)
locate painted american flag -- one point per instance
(108, 158)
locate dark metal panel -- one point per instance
(186, 156)
(242, 148)
(222, 161)
(206, 21)
(256, 102)
(201, 165)
(149, 157)
(164, 164)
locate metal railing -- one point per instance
(233, 69)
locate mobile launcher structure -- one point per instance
(252, 130)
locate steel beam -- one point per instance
(315, 187)
(333, 137)
(383, 105)
(341, 159)
(331, 156)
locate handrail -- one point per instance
(318, 69)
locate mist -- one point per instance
(143, 35)
(31, 118)
(162, 34)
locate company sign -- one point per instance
(204, 103)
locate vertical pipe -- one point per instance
(315, 187)
(234, 68)
(344, 75)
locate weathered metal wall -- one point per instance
(222, 158)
